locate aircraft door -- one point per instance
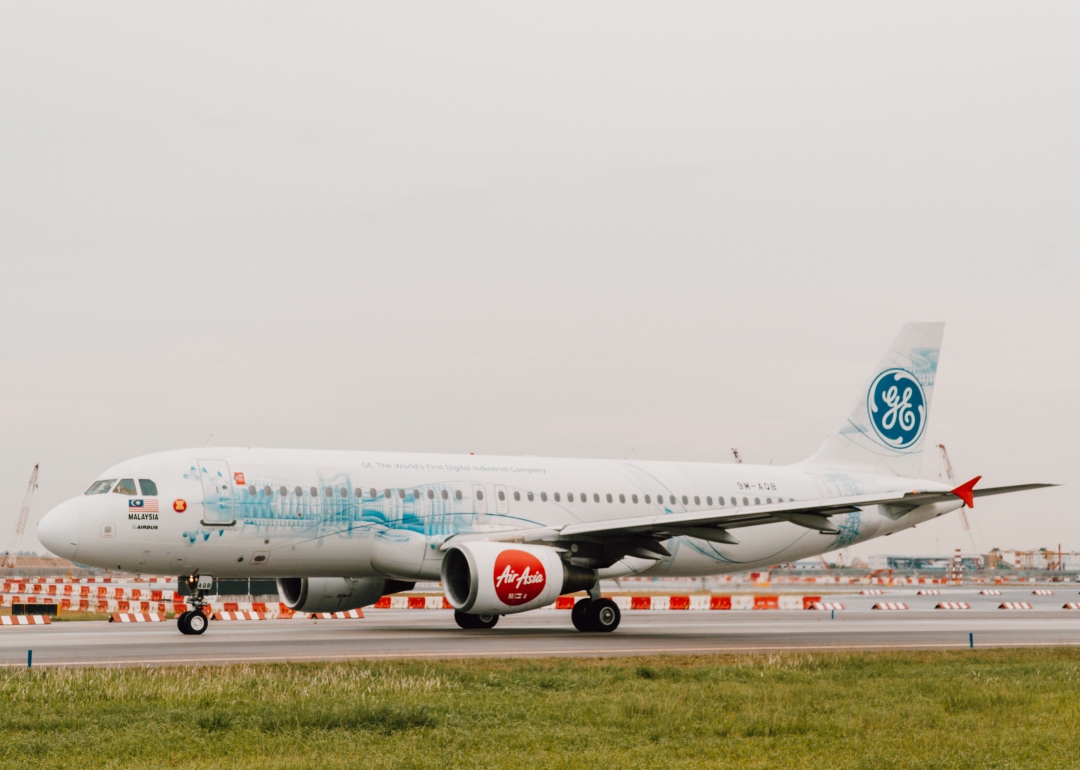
(480, 502)
(217, 484)
(502, 501)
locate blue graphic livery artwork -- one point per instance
(897, 408)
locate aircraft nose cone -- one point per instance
(58, 530)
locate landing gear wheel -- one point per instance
(603, 615)
(182, 622)
(465, 620)
(579, 615)
(197, 623)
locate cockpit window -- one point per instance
(149, 488)
(125, 487)
(100, 487)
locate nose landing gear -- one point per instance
(195, 621)
(192, 622)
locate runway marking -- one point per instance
(583, 653)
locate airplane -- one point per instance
(510, 534)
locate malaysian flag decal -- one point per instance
(146, 506)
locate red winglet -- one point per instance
(964, 492)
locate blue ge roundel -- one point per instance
(897, 408)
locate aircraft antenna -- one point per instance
(735, 452)
(24, 516)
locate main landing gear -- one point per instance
(595, 615)
(195, 621)
(465, 620)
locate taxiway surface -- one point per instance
(387, 634)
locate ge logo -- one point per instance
(897, 408)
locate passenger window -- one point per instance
(757, 501)
(149, 488)
(517, 496)
(529, 496)
(416, 494)
(401, 494)
(445, 495)
(672, 499)
(647, 500)
(569, 497)
(314, 492)
(267, 491)
(697, 500)
(329, 492)
(125, 487)
(684, 500)
(721, 501)
(372, 493)
(745, 501)
(431, 494)
(457, 494)
(708, 501)
(584, 497)
(299, 492)
(100, 487)
(622, 498)
(386, 494)
(733, 501)
(596, 497)
(609, 497)
(479, 494)
(283, 491)
(502, 495)
(768, 500)
(556, 497)
(251, 491)
(543, 497)
(634, 498)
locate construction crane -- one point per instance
(963, 513)
(24, 516)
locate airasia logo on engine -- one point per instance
(519, 577)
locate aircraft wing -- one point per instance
(642, 535)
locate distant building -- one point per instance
(922, 563)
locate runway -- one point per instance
(388, 634)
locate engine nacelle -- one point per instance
(335, 594)
(485, 578)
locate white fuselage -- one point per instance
(301, 513)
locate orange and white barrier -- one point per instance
(1042, 592)
(1014, 606)
(952, 606)
(335, 615)
(871, 592)
(240, 615)
(827, 606)
(25, 620)
(928, 592)
(990, 592)
(432, 602)
(1071, 606)
(136, 617)
(890, 606)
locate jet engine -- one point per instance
(335, 594)
(483, 578)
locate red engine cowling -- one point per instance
(485, 578)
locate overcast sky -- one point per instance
(553, 229)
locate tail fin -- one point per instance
(886, 429)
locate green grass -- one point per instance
(971, 709)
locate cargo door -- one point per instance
(217, 484)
